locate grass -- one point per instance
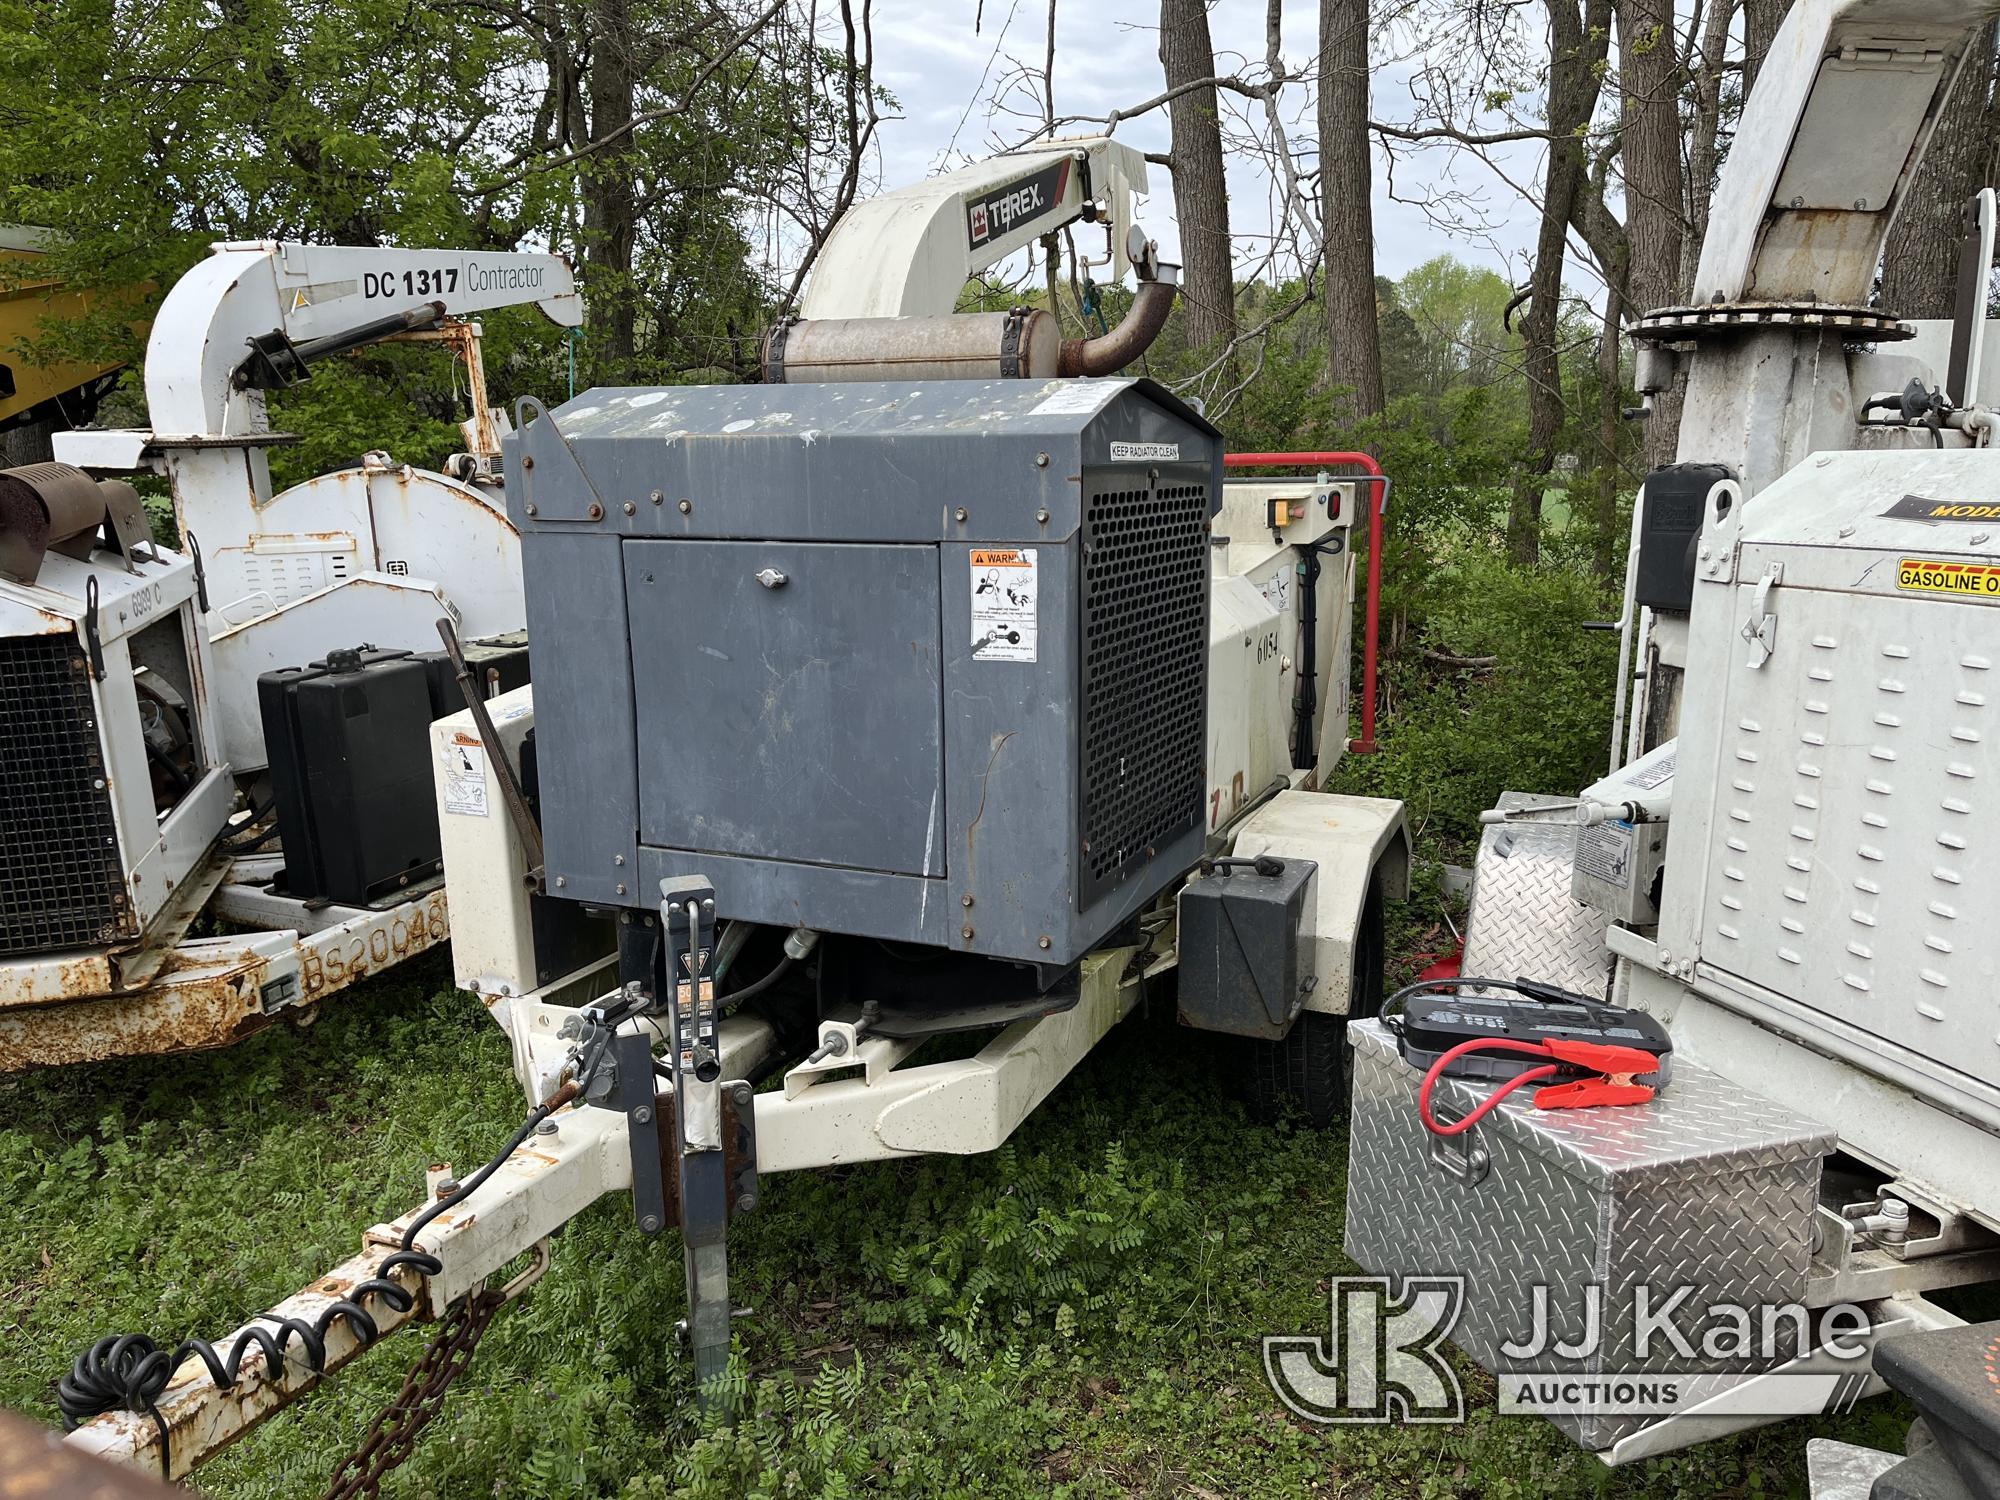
(1077, 1314)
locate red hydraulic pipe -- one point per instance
(1371, 649)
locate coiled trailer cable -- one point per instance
(129, 1371)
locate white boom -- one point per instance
(908, 253)
(281, 568)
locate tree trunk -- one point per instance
(1702, 152)
(1354, 343)
(30, 443)
(1576, 53)
(609, 202)
(1610, 404)
(1920, 259)
(1201, 190)
(1761, 19)
(1650, 154)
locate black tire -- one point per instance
(1308, 1073)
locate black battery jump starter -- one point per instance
(1432, 1018)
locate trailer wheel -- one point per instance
(1309, 1072)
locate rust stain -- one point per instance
(191, 1016)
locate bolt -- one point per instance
(547, 1127)
(561, 881)
(742, 1091)
(1041, 460)
(966, 933)
(650, 1223)
(618, 859)
(631, 509)
(1086, 846)
(446, 1188)
(687, 507)
(659, 497)
(959, 514)
(1042, 942)
(643, 1113)
(532, 510)
(621, 889)
(594, 511)
(528, 462)
(746, 1203)
(965, 900)
(1042, 516)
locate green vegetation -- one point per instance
(1078, 1314)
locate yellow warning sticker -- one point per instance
(1923, 575)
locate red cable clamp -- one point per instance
(1617, 1070)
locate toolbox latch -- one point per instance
(1459, 1156)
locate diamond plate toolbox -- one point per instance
(1524, 919)
(1709, 1187)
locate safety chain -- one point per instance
(394, 1431)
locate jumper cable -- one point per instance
(1614, 1073)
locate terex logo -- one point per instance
(1008, 207)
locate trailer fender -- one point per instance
(1350, 839)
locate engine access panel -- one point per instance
(925, 663)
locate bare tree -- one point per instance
(1201, 191)
(1354, 344)
(1920, 260)
(1650, 159)
(1577, 46)
(1705, 128)
(1761, 19)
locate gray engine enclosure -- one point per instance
(827, 749)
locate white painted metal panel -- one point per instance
(1855, 866)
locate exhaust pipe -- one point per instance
(1110, 352)
(1025, 344)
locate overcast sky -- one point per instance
(1107, 56)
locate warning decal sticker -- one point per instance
(465, 776)
(1004, 586)
(1921, 575)
(1605, 853)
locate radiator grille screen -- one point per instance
(1145, 674)
(60, 882)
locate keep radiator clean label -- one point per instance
(1918, 575)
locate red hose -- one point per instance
(1365, 745)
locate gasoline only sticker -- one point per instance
(1968, 580)
(465, 776)
(1004, 585)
